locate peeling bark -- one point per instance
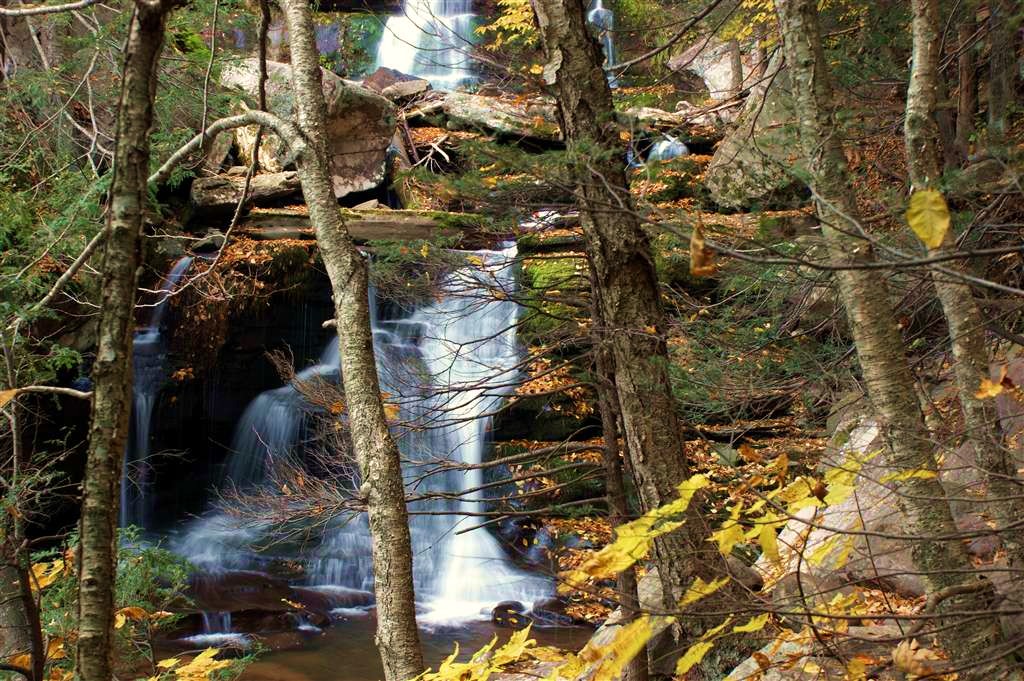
(887, 375)
(379, 459)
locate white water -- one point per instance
(149, 356)
(431, 39)
(449, 365)
(602, 20)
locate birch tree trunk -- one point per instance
(890, 383)
(379, 460)
(963, 315)
(112, 371)
(619, 251)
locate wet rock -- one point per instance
(511, 615)
(383, 78)
(211, 243)
(360, 125)
(534, 118)
(751, 166)
(239, 590)
(551, 612)
(406, 89)
(219, 195)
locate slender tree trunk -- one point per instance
(379, 459)
(879, 345)
(630, 304)
(112, 371)
(1001, 66)
(735, 68)
(963, 314)
(615, 486)
(967, 80)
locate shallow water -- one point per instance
(345, 651)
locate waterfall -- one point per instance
(448, 365)
(602, 22)
(149, 356)
(431, 39)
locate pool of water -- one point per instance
(346, 652)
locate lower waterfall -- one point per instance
(448, 365)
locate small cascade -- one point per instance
(448, 365)
(149, 355)
(602, 22)
(431, 39)
(666, 149)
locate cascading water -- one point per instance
(431, 39)
(602, 21)
(149, 355)
(448, 365)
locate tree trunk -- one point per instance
(735, 68)
(619, 251)
(379, 459)
(1001, 66)
(615, 487)
(963, 315)
(967, 80)
(921, 132)
(887, 374)
(112, 371)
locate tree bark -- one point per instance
(1001, 66)
(112, 371)
(967, 80)
(629, 300)
(887, 375)
(963, 314)
(615, 486)
(397, 636)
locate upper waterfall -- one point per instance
(431, 39)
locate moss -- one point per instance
(543, 280)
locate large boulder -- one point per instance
(711, 60)
(752, 166)
(360, 124)
(516, 117)
(856, 536)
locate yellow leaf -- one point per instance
(633, 540)
(818, 555)
(391, 411)
(119, 620)
(536, 69)
(727, 537)
(988, 388)
(701, 589)
(475, 260)
(425, 250)
(756, 623)
(900, 476)
(23, 660)
(45, 574)
(612, 658)
(514, 649)
(769, 543)
(55, 649)
(701, 264)
(6, 396)
(928, 216)
(693, 655)
(168, 663)
(134, 613)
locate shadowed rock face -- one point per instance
(360, 125)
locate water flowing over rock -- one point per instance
(431, 39)
(447, 364)
(149, 359)
(360, 125)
